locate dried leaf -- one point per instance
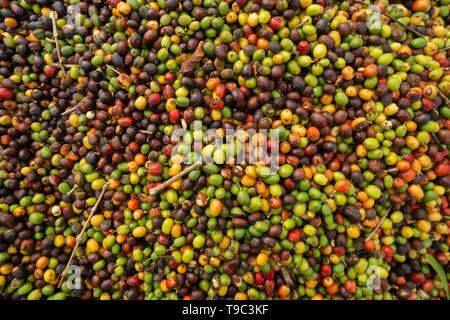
(195, 58)
(441, 273)
(286, 275)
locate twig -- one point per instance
(441, 94)
(53, 16)
(72, 190)
(67, 65)
(390, 170)
(301, 23)
(444, 97)
(157, 189)
(69, 111)
(115, 70)
(444, 49)
(202, 67)
(80, 236)
(378, 225)
(145, 131)
(436, 139)
(417, 33)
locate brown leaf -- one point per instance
(286, 275)
(195, 58)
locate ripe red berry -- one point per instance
(155, 169)
(5, 94)
(174, 115)
(294, 235)
(303, 47)
(259, 277)
(277, 23)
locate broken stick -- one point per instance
(53, 16)
(157, 189)
(80, 236)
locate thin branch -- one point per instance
(157, 189)
(80, 236)
(72, 190)
(145, 131)
(378, 225)
(69, 111)
(202, 67)
(417, 33)
(445, 48)
(441, 94)
(436, 139)
(53, 16)
(390, 170)
(444, 97)
(301, 23)
(115, 70)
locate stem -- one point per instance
(53, 16)
(183, 124)
(145, 131)
(72, 190)
(444, 49)
(115, 70)
(301, 23)
(157, 189)
(441, 94)
(444, 97)
(436, 139)
(69, 111)
(390, 170)
(202, 67)
(378, 225)
(80, 236)
(417, 33)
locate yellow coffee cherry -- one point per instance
(49, 275)
(353, 231)
(97, 219)
(92, 245)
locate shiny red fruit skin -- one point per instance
(133, 281)
(270, 275)
(5, 94)
(294, 235)
(303, 47)
(259, 278)
(155, 169)
(269, 286)
(125, 122)
(277, 23)
(174, 115)
(325, 270)
(50, 71)
(216, 104)
(154, 98)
